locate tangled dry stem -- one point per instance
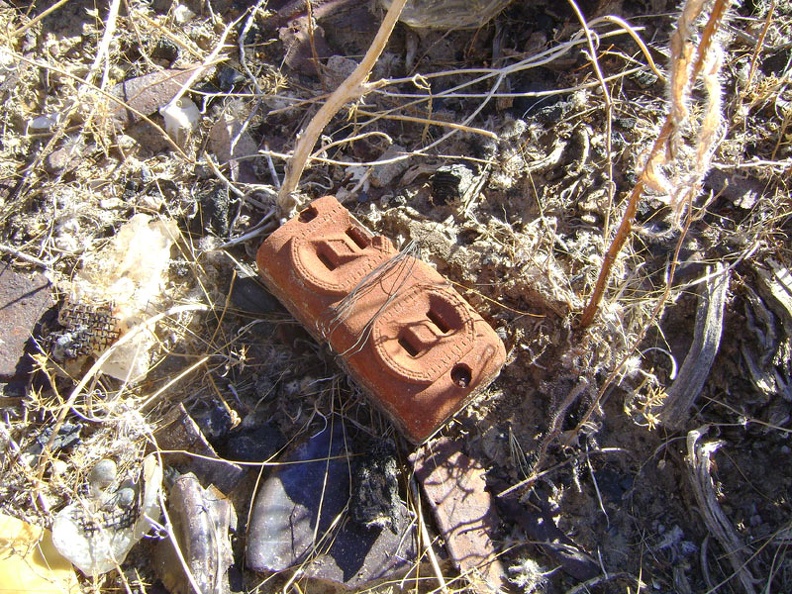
(686, 67)
(700, 461)
(351, 89)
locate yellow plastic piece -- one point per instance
(29, 563)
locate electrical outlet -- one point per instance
(318, 258)
(398, 327)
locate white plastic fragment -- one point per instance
(181, 118)
(130, 272)
(182, 14)
(8, 67)
(92, 534)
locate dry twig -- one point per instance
(353, 88)
(699, 461)
(685, 70)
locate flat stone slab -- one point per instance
(178, 431)
(298, 519)
(24, 299)
(456, 491)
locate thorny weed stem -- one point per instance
(658, 307)
(660, 145)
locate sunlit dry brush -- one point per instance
(675, 167)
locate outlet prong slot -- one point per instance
(404, 342)
(435, 318)
(358, 237)
(308, 215)
(326, 260)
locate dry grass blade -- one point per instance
(608, 106)
(699, 463)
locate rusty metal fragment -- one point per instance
(23, 301)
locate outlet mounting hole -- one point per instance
(461, 375)
(308, 215)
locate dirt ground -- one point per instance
(509, 171)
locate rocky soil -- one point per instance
(647, 452)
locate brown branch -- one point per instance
(658, 150)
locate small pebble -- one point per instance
(58, 468)
(125, 497)
(103, 474)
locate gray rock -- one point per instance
(102, 474)
(293, 519)
(143, 95)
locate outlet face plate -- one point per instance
(401, 331)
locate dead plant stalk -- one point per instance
(681, 81)
(352, 89)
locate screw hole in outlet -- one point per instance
(308, 215)
(461, 375)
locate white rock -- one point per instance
(181, 118)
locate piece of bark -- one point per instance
(699, 460)
(179, 431)
(775, 286)
(203, 520)
(698, 362)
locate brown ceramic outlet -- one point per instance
(399, 328)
